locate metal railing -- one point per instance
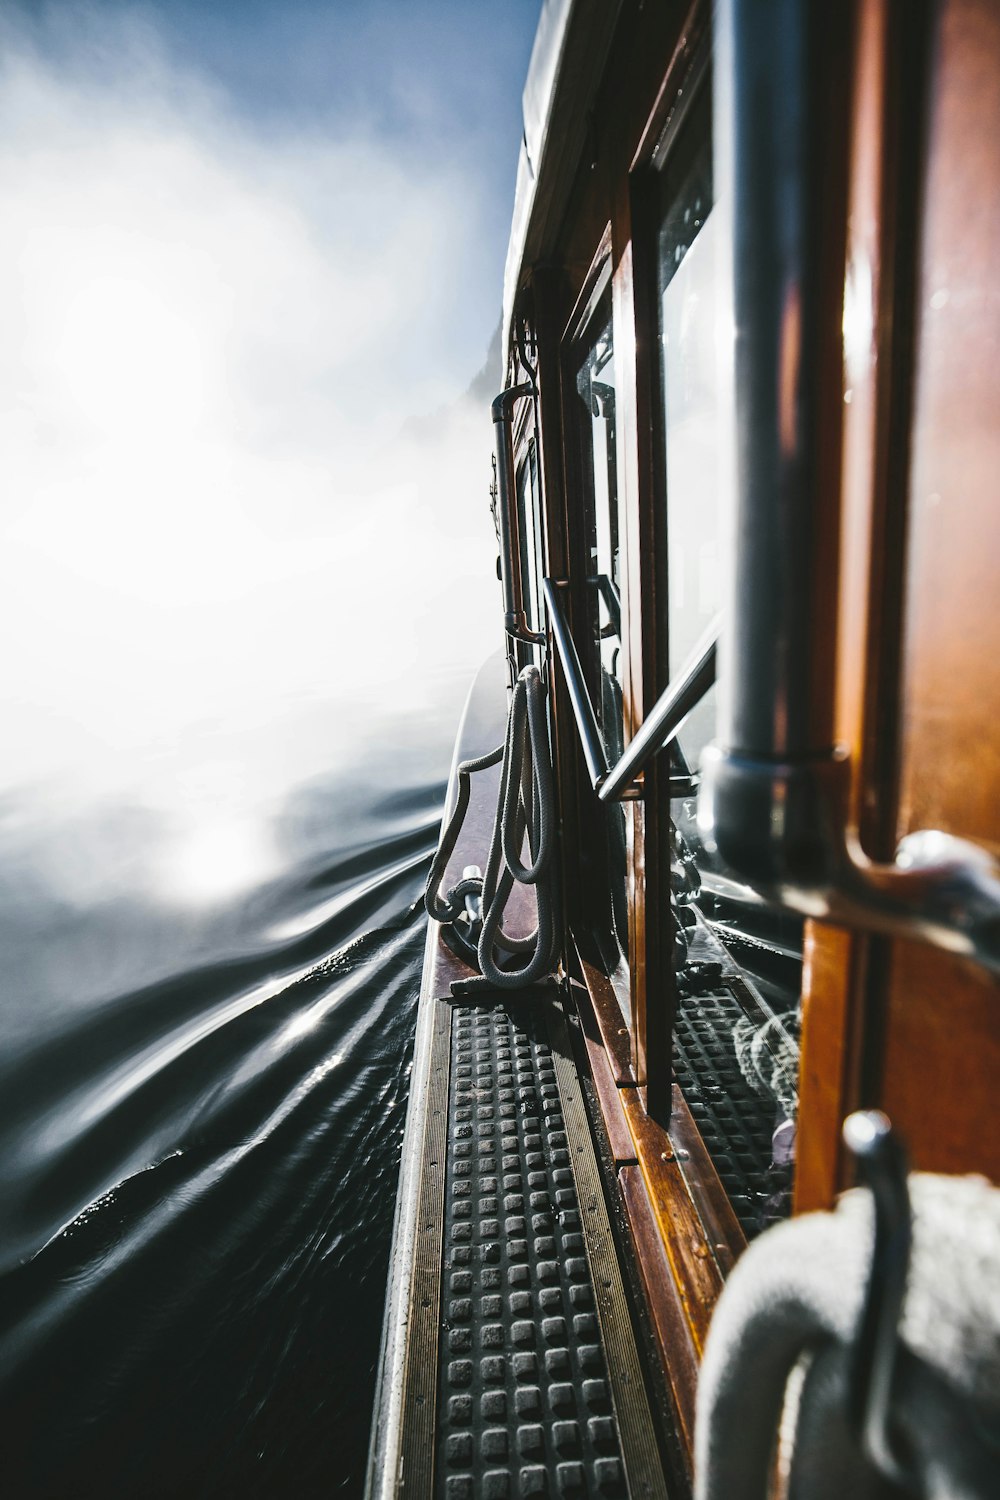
(587, 726)
(667, 715)
(617, 783)
(515, 620)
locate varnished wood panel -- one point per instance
(942, 1048)
(615, 1124)
(825, 1092)
(844, 989)
(951, 758)
(677, 1351)
(609, 1020)
(692, 1264)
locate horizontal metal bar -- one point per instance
(617, 783)
(583, 710)
(667, 716)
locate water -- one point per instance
(243, 546)
(202, 1094)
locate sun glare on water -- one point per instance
(213, 862)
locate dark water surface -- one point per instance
(201, 1108)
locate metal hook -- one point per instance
(523, 336)
(881, 1163)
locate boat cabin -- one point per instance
(747, 451)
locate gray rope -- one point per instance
(525, 805)
(445, 909)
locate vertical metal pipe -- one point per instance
(774, 148)
(773, 798)
(510, 550)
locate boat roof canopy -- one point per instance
(567, 61)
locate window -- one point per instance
(698, 452)
(738, 965)
(529, 538)
(595, 386)
(595, 424)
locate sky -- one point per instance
(252, 259)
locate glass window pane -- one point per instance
(529, 530)
(595, 385)
(600, 651)
(738, 965)
(696, 415)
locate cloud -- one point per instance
(214, 339)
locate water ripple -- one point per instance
(200, 1176)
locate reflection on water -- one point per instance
(206, 1021)
(238, 560)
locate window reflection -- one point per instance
(697, 417)
(530, 540)
(595, 384)
(738, 965)
(597, 424)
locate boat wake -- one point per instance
(200, 1176)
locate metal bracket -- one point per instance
(783, 827)
(881, 1164)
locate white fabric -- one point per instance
(798, 1290)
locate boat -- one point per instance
(715, 919)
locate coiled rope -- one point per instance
(525, 805)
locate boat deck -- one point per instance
(538, 1384)
(510, 1363)
(521, 1373)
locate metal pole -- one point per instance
(510, 542)
(583, 710)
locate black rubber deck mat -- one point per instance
(530, 1402)
(735, 1122)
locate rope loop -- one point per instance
(525, 811)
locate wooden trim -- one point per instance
(651, 919)
(695, 33)
(595, 284)
(635, 1424)
(612, 1115)
(722, 1228)
(693, 1265)
(674, 1158)
(824, 1084)
(678, 1355)
(609, 1020)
